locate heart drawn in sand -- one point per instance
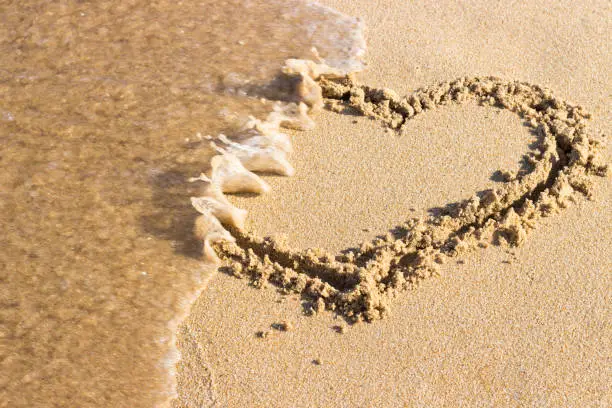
(358, 285)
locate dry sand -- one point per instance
(526, 326)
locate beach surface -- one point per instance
(106, 301)
(501, 326)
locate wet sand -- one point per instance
(503, 326)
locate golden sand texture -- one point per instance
(357, 284)
(507, 326)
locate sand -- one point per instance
(525, 322)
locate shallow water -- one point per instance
(100, 104)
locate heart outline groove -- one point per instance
(359, 285)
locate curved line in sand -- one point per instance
(358, 285)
